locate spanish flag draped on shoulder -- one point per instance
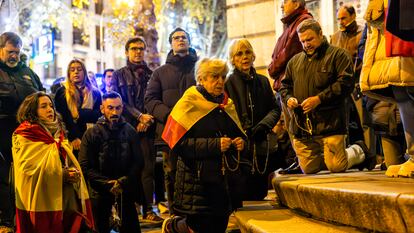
(189, 110)
(44, 204)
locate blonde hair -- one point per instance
(236, 45)
(210, 66)
(72, 94)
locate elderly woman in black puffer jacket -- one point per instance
(205, 132)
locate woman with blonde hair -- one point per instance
(258, 113)
(204, 131)
(78, 102)
(51, 193)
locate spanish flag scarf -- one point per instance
(189, 110)
(43, 202)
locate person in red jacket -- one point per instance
(288, 44)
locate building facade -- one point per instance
(259, 22)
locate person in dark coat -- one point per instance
(108, 82)
(111, 160)
(203, 129)
(16, 82)
(78, 102)
(315, 86)
(166, 86)
(248, 90)
(131, 83)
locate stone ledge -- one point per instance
(367, 200)
(261, 217)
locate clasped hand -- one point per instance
(226, 142)
(71, 175)
(145, 120)
(116, 187)
(307, 105)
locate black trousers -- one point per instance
(208, 223)
(170, 169)
(147, 177)
(102, 210)
(7, 206)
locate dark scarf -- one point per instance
(352, 28)
(139, 71)
(244, 84)
(185, 63)
(320, 51)
(218, 99)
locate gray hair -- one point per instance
(236, 45)
(309, 24)
(302, 3)
(10, 37)
(210, 66)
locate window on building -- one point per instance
(99, 40)
(58, 34)
(98, 7)
(78, 37)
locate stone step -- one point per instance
(367, 200)
(262, 217)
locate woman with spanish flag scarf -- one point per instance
(204, 131)
(51, 193)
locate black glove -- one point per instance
(259, 133)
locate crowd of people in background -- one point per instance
(82, 159)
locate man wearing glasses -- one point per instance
(16, 82)
(131, 83)
(166, 86)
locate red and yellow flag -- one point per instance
(189, 110)
(43, 201)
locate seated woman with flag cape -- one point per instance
(51, 193)
(204, 131)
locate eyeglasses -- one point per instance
(135, 49)
(179, 37)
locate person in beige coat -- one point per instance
(390, 79)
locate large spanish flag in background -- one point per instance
(189, 110)
(43, 202)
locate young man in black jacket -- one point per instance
(112, 163)
(16, 82)
(131, 83)
(166, 86)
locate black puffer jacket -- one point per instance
(110, 153)
(200, 186)
(166, 86)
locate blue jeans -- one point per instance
(404, 96)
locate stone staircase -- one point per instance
(345, 202)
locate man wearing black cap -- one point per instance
(166, 86)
